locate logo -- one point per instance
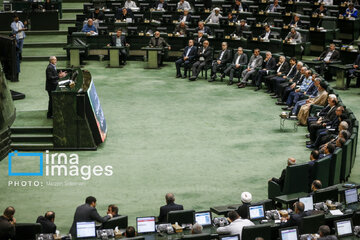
(24, 155)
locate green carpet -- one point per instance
(206, 142)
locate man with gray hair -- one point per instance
(196, 229)
(239, 61)
(52, 78)
(268, 65)
(170, 206)
(281, 180)
(255, 61)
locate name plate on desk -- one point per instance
(146, 21)
(287, 14)
(314, 15)
(258, 25)
(285, 27)
(141, 34)
(234, 12)
(341, 17)
(312, 29)
(290, 2)
(175, 21)
(263, 1)
(254, 38)
(316, 3)
(206, 11)
(227, 37)
(261, 12)
(170, 34)
(343, 4)
(231, 24)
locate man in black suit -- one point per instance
(281, 180)
(291, 85)
(160, 5)
(281, 78)
(282, 68)
(52, 78)
(170, 206)
(268, 65)
(203, 28)
(159, 42)
(240, 7)
(353, 73)
(199, 40)
(7, 224)
(241, 28)
(220, 63)
(120, 41)
(295, 22)
(238, 64)
(267, 34)
(187, 58)
(87, 213)
(97, 15)
(296, 218)
(113, 210)
(326, 57)
(47, 222)
(186, 16)
(204, 55)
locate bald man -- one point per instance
(170, 206)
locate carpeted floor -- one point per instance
(206, 142)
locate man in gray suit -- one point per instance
(239, 61)
(255, 61)
(293, 36)
(159, 42)
(87, 213)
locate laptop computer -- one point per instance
(145, 225)
(256, 212)
(344, 228)
(85, 230)
(203, 218)
(291, 233)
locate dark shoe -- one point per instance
(178, 76)
(280, 103)
(193, 78)
(309, 142)
(241, 86)
(274, 97)
(307, 135)
(50, 117)
(230, 83)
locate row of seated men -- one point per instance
(87, 212)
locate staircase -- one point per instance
(32, 138)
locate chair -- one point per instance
(356, 218)
(120, 222)
(202, 236)
(27, 231)
(311, 224)
(354, 144)
(268, 204)
(335, 167)
(346, 160)
(252, 232)
(322, 170)
(296, 180)
(181, 216)
(329, 193)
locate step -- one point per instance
(45, 32)
(31, 129)
(43, 44)
(34, 146)
(72, 21)
(43, 58)
(72, 10)
(31, 137)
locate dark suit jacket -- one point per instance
(263, 35)
(269, 64)
(7, 230)
(292, 71)
(245, 7)
(335, 56)
(192, 53)
(207, 54)
(164, 5)
(330, 115)
(240, 29)
(280, 180)
(206, 30)
(295, 220)
(52, 78)
(47, 226)
(99, 16)
(243, 210)
(197, 43)
(86, 213)
(243, 59)
(168, 208)
(161, 42)
(329, 237)
(357, 60)
(299, 23)
(226, 57)
(122, 38)
(188, 18)
(284, 68)
(318, 11)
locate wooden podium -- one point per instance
(152, 54)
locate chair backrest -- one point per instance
(27, 231)
(297, 179)
(201, 236)
(311, 224)
(268, 204)
(353, 147)
(346, 160)
(120, 222)
(356, 218)
(322, 170)
(335, 168)
(252, 232)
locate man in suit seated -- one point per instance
(47, 222)
(182, 5)
(296, 218)
(321, 11)
(220, 63)
(87, 213)
(204, 55)
(203, 28)
(199, 40)
(240, 28)
(293, 36)
(281, 78)
(273, 7)
(124, 15)
(243, 210)
(113, 210)
(281, 180)
(240, 7)
(96, 15)
(170, 206)
(238, 63)
(231, 18)
(351, 11)
(351, 73)
(187, 58)
(328, 151)
(295, 22)
(324, 232)
(160, 5)
(52, 79)
(255, 61)
(7, 224)
(326, 57)
(266, 35)
(268, 65)
(181, 29)
(186, 16)
(282, 68)
(316, 185)
(159, 42)
(120, 41)
(89, 28)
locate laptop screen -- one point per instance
(351, 196)
(85, 229)
(289, 234)
(231, 237)
(256, 212)
(344, 228)
(308, 203)
(145, 224)
(203, 218)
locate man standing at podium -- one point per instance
(52, 78)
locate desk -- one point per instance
(321, 38)
(340, 74)
(290, 198)
(152, 57)
(292, 49)
(114, 56)
(349, 29)
(75, 54)
(223, 210)
(47, 20)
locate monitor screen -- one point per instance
(289, 234)
(145, 224)
(344, 228)
(256, 212)
(231, 237)
(85, 229)
(351, 196)
(308, 203)
(203, 218)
